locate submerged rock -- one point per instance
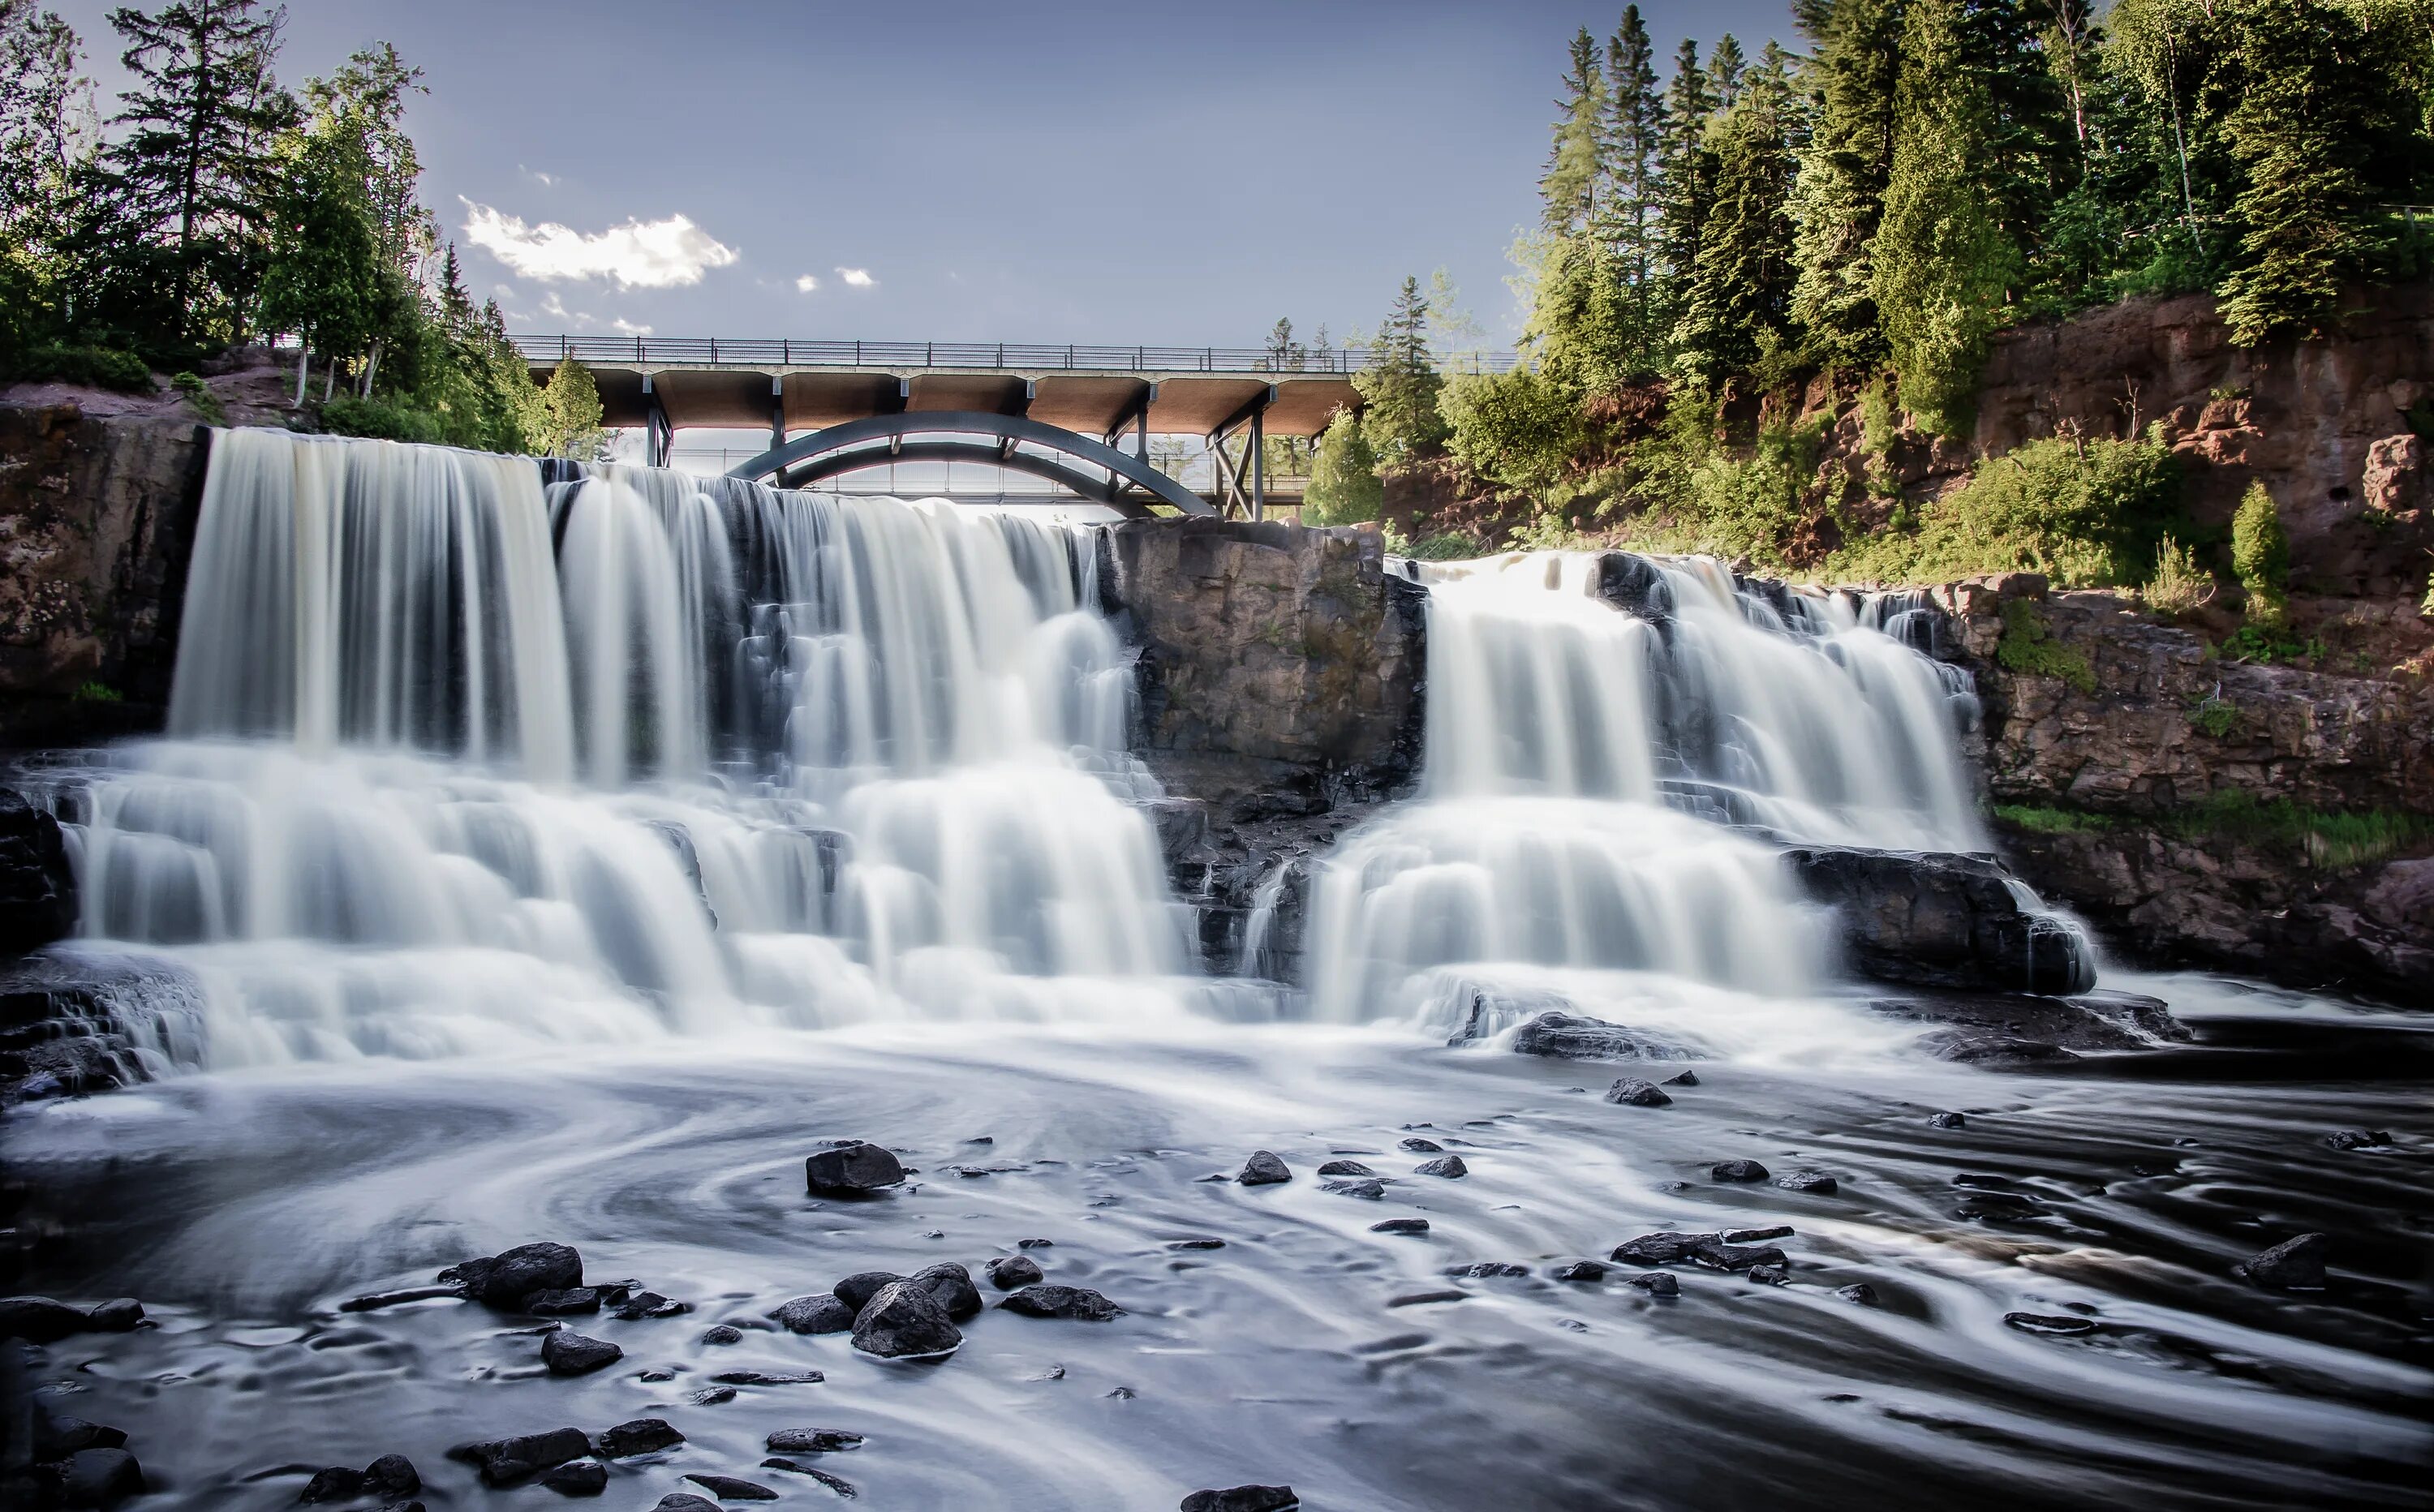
(505, 1461)
(827, 1313)
(905, 1318)
(765, 1378)
(1448, 1166)
(1244, 1499)
(1778, 1230)
(581, 1477)
(1371, 1190)
(1815, 1182)
(100, 1478)
(1633, 1092)
(1399, 1226)
(729, 1489)
(811, 1441)
(1859, 1293)
(837, 1484)
(1655, 1284)
(2294, 1265)
(1578, 1037)
(639, 1435)
(1052, 1301)
(1264, 1168)
(2060, 1324)
(574, 1354)
(1345, 1168)
(684, 1502)
(339, 1483)
(1947, 1121)
(1721, 1256)
(1737, 1171)
(1007, 1272)
(852, 1167)
(2358, 1139)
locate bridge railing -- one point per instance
(721, 352)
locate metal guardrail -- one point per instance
(979, 355)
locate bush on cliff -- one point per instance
(2260, 554)
(345, 415)
(2087, 514)
(1344, 486)
(89, 366)
(1519, 429)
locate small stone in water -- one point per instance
(1448, 1166)
(1483, 1269)
(684, 1502)
(650, 1304)
(852, 1167)
(826, 1314)
(571, 1302)
(1195, 1244)
(1345, 1168)
(1661, 1248)
(657, 1374)
(1371, 1190)
(641, 1435)
(727, 1489)
(1633, 1092)
(1947, 1121)
(503, 1461)
(722, 1334)
(905, 1318)
(2049, 1323)
(1580, 1270)
(1062, 1302)
(1007, 1272)
(574, 1354)
(1399, 1226)
(1682, 1078)
(811, 1441)
(2294, 1265)
(763, 1378)
(1781, 1230)
(1859, 1293)
(842, 1488)
(1035, 1244)
(1244, 1499)
(1264, 1168)
(712, 1396)
(584, 1477)
(1737, 1171)
(339, 1483)
(1656, 1282)
(1771, 1275)
(1816, 1183)
(2338, 1139)
(122, 1316)
(1418, 1299)
(1424, 1147)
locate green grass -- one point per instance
(2044, 821)
(2330, 838)
(2027, 647)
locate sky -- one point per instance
(1080, 172)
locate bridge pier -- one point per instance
(1243, 482)
(659, 437)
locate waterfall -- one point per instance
(1609, 767)
(461, 760)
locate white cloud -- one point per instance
(547, 180)
(806, 284)
(630, 329)
(857, 278)
(657, 254)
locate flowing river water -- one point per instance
(568, 861)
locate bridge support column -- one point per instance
(659, 437)
(1241, 481)
(777, 413)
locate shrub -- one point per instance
(2215, 715)
(2087, 514)
(347, 415)
(90, 366)
(2260, 554)
(2331, 838)
(1517, 427)
(199, 395)
(2179, 586)
(98, 693)
(2027, 647)
(1449, 546)
(1747, 506)
(2045, 821)
(1344, 486)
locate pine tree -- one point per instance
(170, 223)
(1635, 129)
(1725, 67)
(1840, 195)
(2029, 158)
(1741, 291)
(1686, 180)
(1400, 387)
(1941, 262)
(1568, 186)
(1284, 354)
(1344, 486)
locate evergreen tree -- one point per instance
(1400, 387)
(1941, 262)
(2029, 159)
(1284, 354)
(1344, 486)
(570, 413)
(1686, 176)
(2260, 556)
(43, 136)
(1568, 186)
(1725, 67)
(1840, 195)
(170, 223)
(1635, 129)
(1740, 288)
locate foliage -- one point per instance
(1739, 290)
(1448, 546)
(2260, 556)
(1519, 429)
(1841, 194)
(199, 395)
(345, 415)
(2087, 514)
(2215, 715)
(2180, 586)
(2027, 647)
(91, 367)
(570, 413)
(1400, 387)
(2336, 839)
(98, 692)
(2042, 820)
(1344, 486)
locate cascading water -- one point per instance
(461, 760)
(1601, 787)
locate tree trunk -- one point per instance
(303, 367)
(330, 385)
(371, 369)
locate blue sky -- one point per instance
(1074, 172)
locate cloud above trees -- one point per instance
(661, 254)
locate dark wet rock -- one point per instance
(573, 1301)
(1487, 1269)
(1718, 1255)
(1368, 1190)
(1580, 1270)
(38, 889)
(684, 1502)
(57, 1437)
(1345, 1168)
(121, 1314)
(505, 1461)
(1263, 1169)
(1656, 1282)
(722, 1334)
(729, 1488)
(1947, 1121)
(902, 1320)
(857, 1290)
(764, 1378)
(1661, 1248)
(1423, 1146)
(1035, 1244)
(1052, 1301)
(1779, 1230)
(1994, 1049)
(2358, 1139)
(952, 1285)
(1399, 1226)
(1448, 1166)
(1681, 1078)
(1244, 1499)
(2018, 1029)
(574, 1354)
(1633, 1092)
(99, 1478)
(391, 1476)
(1007, 1272)
(1859, 1293)
(582, 1477)
(1771, 1275)
(1578, 1037)
(339, 1483)
(2060, 1324)
(375, 1300)
(837, 1484)
(712, 1396)
(1942, 920)
(1423, 1299)
(506, 1278)
(1201, 1243)
(657, 1373)
(1817, 1184)
(827, 1313)
(1737, 1171)
(639, 1435)
(41, 1319)
(852, 1167)
(641, 1305)
(2294, 1265)
(811, 1441)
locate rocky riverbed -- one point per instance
(1485, 1280)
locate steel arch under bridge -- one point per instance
(984, 439)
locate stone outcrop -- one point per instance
(97, 524)
(38, 897)
(1941, 920)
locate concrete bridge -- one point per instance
(1062, 413)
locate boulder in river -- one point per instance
(2294, 1265)
(1580, 1270)
(339, 1483)
(722, 1334)
(99, 1478)
(1772, 1231)
(1579, 1037)
(580, 1477)
(1943, 920)
(1369, 1188)
(1007, 1272)
(1448, 1166)
(37, 891)
(684, 1502)
(1656, 1282)
(826, 1314)
(2358, 1139)
(730, 1489)
(568, 1353)
(1052, 1301)
(1399, 1226)
(505, 1461)
(1661, 1248)
(507, 1279)
(1737, 1171)
(1634, 1092)
(41, 1319)
(1815, 1182)
(857, 1290)
(1423, 1146)
(639, 1435)
(952, 1285)
(1264, 1168)
(852, 1167)
(2024, 1029)
(1345, 1168)
(1244, 1499)
(904, 1320)
(811, 1441)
